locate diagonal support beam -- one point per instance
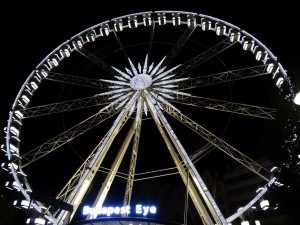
(133, 159)
(220, 144)
(203, 190)
(112, 173)
(182, 168)
(82, 186)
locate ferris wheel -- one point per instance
(145, 96)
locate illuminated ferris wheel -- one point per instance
(145, 96)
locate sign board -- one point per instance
(139, 210)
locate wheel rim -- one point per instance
(83, 86)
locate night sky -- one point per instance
(30, 32)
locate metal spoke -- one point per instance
(226, 106)
(68, 135)
(66, 106)
(177, 46)
(75, 80)
(204, 56)
(220, 144)
(232, 75)
(99, 62)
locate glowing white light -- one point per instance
(259, 189)
(279, 81)
(245, 223)
(19, 114)
(25, 98)
(140, 82)
(264, 204)
(297, 99)
(143, 77)
(144, 210)
(39, 221)
(82, 191)
(14, 130)
(15, 166)
(4, 166)
(25, 204)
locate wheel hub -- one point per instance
(141, 81)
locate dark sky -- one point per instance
(30, 32)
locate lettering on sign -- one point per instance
(139, 209)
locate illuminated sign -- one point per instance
(142, 210)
